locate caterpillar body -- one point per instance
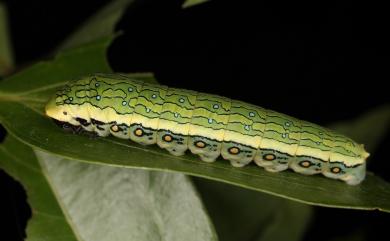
(207, 125)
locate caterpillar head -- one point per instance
(65, 103)
(58, 110)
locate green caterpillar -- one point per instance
(208, 125)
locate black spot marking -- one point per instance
(68, 127)
(100, 128)
(82, 121)
(96, 122)
(65, 113)
(148, 133)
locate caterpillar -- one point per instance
(208, 125)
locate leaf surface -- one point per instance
(71, 200)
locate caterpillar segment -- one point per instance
(208, 125)
(176, 115)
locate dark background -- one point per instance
(321, 63)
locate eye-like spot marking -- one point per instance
(200, 144)
(335, 170)
(130, 89)
(210, 121)
(115, 128)
(181, 100)
(246, 127)
(269, 157)
(65, 113)
(234, 150)
(317, 142)
(284, 135)
(124, 103)
(251, 114)
(70, 98)
(176, 115)
(215, 106)
(287, 123)
(167, 138)
(147, 110)
(305, 164)
(154, 96)
(98, 97)
(97, 84)
(320, 133)
(138, 132)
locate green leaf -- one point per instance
(100, 25)
(48, 221)
(190, 3)
(241, 214)
(6, 57)
(23, 97)
(77, 201)
(42, 78)
(27, 122)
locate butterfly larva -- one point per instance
(208, 125)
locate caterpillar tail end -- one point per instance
(357, 176)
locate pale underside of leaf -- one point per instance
(108, 203)
(71, 200)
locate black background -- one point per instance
(321, 63)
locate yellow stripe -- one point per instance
(252, 141)
(313, 152)
(278, 146)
